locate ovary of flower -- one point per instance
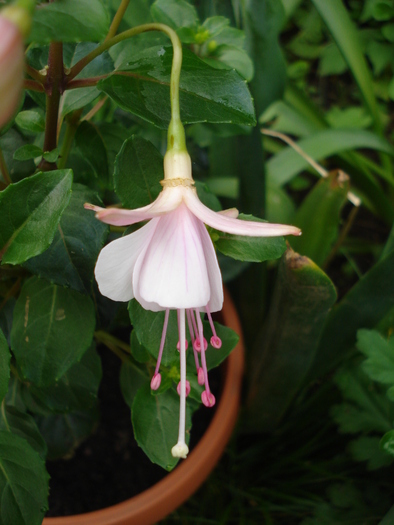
(11, 68)
(170, 263)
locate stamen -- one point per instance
(197, 345)
(200, 376)
(156, 381)
(206, 397)
(216, 342)
(180, 450)
(178, 388)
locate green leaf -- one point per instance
(319, 216)
(23, 482)
(29, 151)
(366, 448)
(282, 167)
(366, 409)
(53, 327)
(338, 21)
(155, 423)
(77, 98)
(22, 424)
(236, 58)
(263, 22)
(70, 21)
(252, 249)
(148, 327)
(387, 443)
(132, 378)
(138, 171)
(51, 156)
(77, 389)
(174, 13)
(139, 352)
(28, 230)
(79, 237)
(379, 351)
(362, 307)
(31, 120)
(63, 433)
(5, 359)
(301, 302)
(141, 85)
(9, 142)
(92, 148)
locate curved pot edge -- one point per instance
(165, 496)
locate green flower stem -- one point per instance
(4, 169)
(53, 89)
(105, 337)
(117, 19)
(72, 123)
(176, 133)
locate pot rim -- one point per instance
(152, 505)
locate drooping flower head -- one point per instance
(170, 263)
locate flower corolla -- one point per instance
(170, 263)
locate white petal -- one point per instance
(235, 226)
(115, 264)
(215, 277)
(172, 272)
(168, 200)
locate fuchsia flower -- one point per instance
(170, 263)
(11, 68)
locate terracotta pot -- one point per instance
(168, 494)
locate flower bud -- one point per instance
(11, 69)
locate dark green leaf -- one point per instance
(366, 409)
(29, 151)
(53, 327)
(70, 21)
(138, 171)
(5, 358)
(155, 423)
(22, 424)
(77, 389)
(363, 307)
(207, 197)
(23, 482)
(380, 353)
(31, 120)
(302, 300)
(28, 230)
(71, 257)
(251, 249)
(149, 327)
(174, 13)
(132, 378)
(366, 448)
(318, 217)
(63, 433)
(91, 145)
(141, 86)
(78, 98)
(9, 142)
(51, 156)
(139, 352)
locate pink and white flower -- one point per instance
(170, 263)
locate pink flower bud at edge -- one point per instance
(11, 69)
